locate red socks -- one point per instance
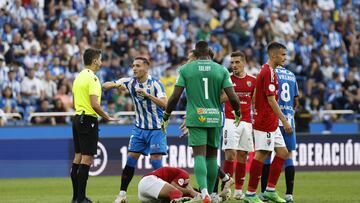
(229, 167)
(175, 194)
(275, 170)
(255, 175)
(240, 175)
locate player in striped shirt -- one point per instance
(149, 99)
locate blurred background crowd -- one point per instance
(42, 41)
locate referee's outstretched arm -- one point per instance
(97, 108)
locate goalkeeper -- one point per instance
(204, 80)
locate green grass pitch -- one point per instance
(309, 187)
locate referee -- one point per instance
(87, 94)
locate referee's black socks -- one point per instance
(126, 177)
(74, 179)
(83, 175)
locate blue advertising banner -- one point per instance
(42, 156)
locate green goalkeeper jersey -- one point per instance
(203, 80)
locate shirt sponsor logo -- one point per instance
(207, 111)
(202, 119)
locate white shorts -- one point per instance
(268, 140)
(149, 188)
(237, 138)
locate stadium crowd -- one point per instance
(41, 43)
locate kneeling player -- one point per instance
(166, 183)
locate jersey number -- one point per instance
(285, 92)
(206, 87)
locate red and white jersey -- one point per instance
(169, 174)
(266, 85)
(244, 89)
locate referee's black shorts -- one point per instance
(85, 134)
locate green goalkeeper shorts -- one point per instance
(204, 136)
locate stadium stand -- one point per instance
(41, 43)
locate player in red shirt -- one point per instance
(266, 132)
(166, 183)
(238, 141)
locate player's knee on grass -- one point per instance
(170, 192)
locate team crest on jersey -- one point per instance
(268, 142)
(202, 119)
(181, 182)
(248, 83)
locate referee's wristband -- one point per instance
(166, 116)
(237, 113)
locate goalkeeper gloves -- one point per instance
(165, 122)
(238, 116)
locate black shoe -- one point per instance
(86, 200)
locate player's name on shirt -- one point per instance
(204, 68)
(285, 75)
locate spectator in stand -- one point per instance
(3, 70)
(50, 87)
(334, 92)
(351, 91)
(315, 83)
(31, 89)
(43, 120)
(63, 95)
(59, 107)
(8, 101)
(13, 84)
(168, 80)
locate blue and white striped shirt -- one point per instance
(148, 114)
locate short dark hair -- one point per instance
(91, 54)
(275, 45)
(144, 59)
(238, 53)
(201, 49)
(211, 53)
